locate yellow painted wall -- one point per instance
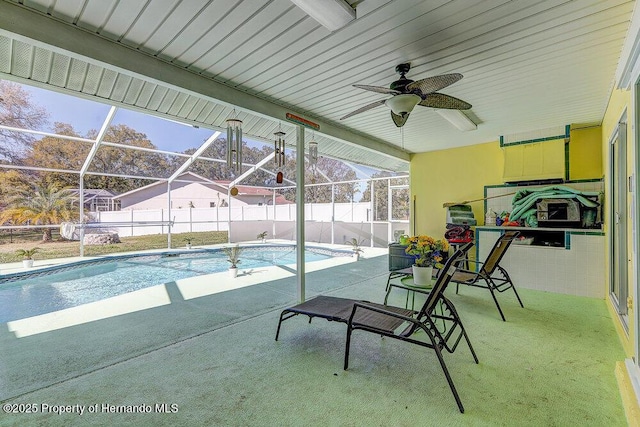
(619, 102)
(454, 175)
(585, 153)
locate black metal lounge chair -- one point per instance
(490, 274)
(395, 322)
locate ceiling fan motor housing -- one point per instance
(400, 85)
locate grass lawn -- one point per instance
(67, 248)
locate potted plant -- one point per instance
(27, 256)
(233, 257)
(262, 236)
(355, 247)
(188, 240)
(428, 252)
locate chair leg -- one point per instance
(346, 347)
(458, 321)
(493, 295)
(449, 380)
(386, 297)
(508, 278)
(517, 296)
(466, 337)
(283, 318)
(279, 323)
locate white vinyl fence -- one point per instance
(325, 223)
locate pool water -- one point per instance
(84, 284)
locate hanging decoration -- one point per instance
(234, 143)
(313, 154)
(279, 149)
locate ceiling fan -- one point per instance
(408, 93)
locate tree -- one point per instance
(65, 154)
(400, 197)
(45, 204)
(335, 170)
(16, 110)
(59, 153)
(216, 171)
(117, 160)
(11, 180)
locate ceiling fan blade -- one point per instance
(440, 100)
(398, 120)
(363, 109)
(434, 84)
(378, 89)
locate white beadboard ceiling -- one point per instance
(527, 64)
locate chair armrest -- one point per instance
(379, 310)
(470, 261)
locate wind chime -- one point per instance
(279, 155)
(313, 154)
(234, 143)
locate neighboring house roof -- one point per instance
(187, 176)
(96, 193)
(221, 186)
(248, 190)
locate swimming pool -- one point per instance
(33, 293)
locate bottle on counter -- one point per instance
(490, 217)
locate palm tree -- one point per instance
(45, 204)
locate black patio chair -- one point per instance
(490, 274)
(398, 323)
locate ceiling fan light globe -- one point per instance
(402, 104)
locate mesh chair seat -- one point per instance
(461, 276)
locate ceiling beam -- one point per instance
(32, 27)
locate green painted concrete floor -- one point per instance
(212, 361)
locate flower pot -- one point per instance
(188, 245)
(422, 276)
(233, 272)
(27, 263)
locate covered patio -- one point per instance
(529, 68)
(213, 361)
